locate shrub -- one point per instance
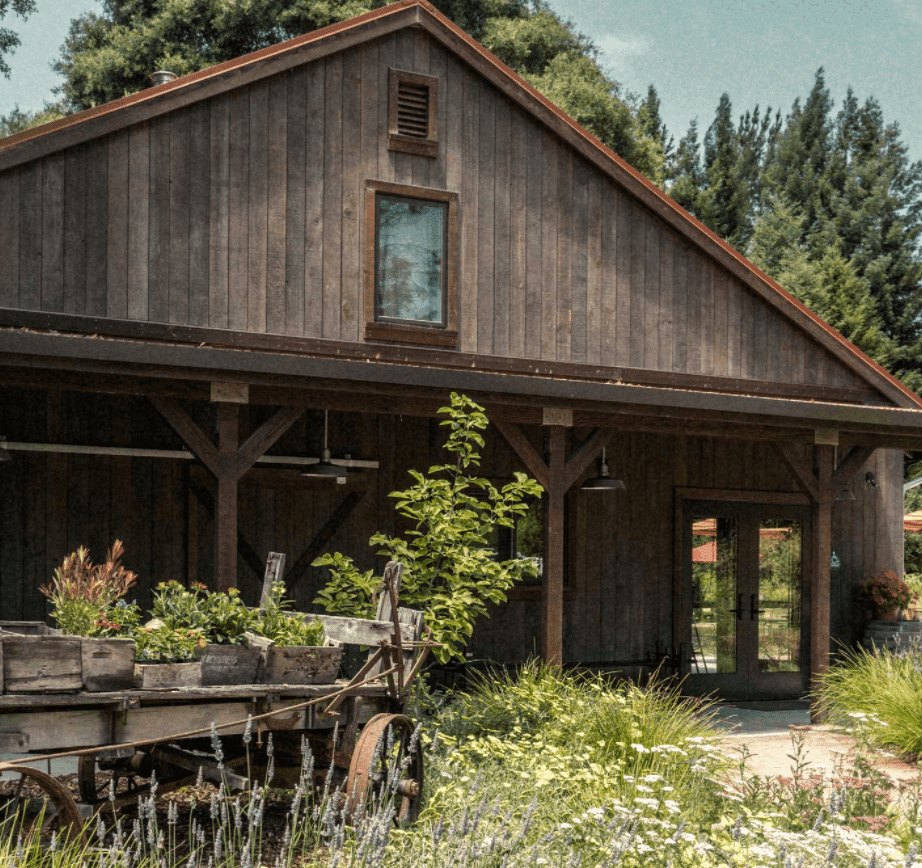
(887, 591)
(279, 622)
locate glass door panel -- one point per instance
(779, 596)
(714, 590)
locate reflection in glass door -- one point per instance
(744, 568)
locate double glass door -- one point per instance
(745, 589)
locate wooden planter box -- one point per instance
(36, 658)
(302, 664)
(229, 664)
(168, 675)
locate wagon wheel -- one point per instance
(56, 807)
(387, 763)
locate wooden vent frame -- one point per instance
(413, 113)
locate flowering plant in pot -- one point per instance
(886, 592)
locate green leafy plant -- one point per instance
(220, 617)
(450, 571)
(279, 622)
(167, 645)
(83, 594)
(887, 591)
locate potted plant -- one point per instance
(886, 594)
(299, 653)
(222, 619)
(93, 649)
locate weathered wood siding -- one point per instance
(620, 547)
(244, 212)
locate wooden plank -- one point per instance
(698, 331)
(666, 330)
(275, 569)
(30, 236)
(137, 211)
(333, 198)
(179, 226)
(624, 291)
(550, 216)
(470, 192)
(9, 238)
(258, 207)
(534, 161)
(443, 67)
(158, 242)
(579, 265)
(733, 291)
(59, 730)
(486, 217)
(404, 58)
(76, 229)
(564, 254)
(639, 302)
(12, 522)
(721, 323)
(708, 316)
(387, 58)
(226, 500)
(277, 204)
(41, 664)
(52, 233)
(295, 196)
(191, 434)
(594, 270)
(652, 295)
(527, 453)
(238, 204)
(97, 226)
(150, 720)
(518, 238)
(314, 181)
(199, 214)
(822, 547)
(502, 238)
(552, 601)
(351, 296)
(608, 336)
(219, 214)
(680, 307)
(262, 439)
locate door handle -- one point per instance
(738, 611)
(753, 611)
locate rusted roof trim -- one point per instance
(105, 119)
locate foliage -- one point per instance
(18, 120)
(882, 690)
(9, 41)
(108, 55)
(220, 617)
(279, 622)
(449, 570)
(83, 593)
(886, 591)
(167, 644)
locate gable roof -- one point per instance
(118, 114)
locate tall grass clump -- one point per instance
(881, 690)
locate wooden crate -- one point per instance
(41, 664)
(229, 664)
(301, 664)
(168, 675)
(107, 664)
(28, 628)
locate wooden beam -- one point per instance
(185, 427)
(261, 440)
(857, 457)
(244, 549)
(789, 453)
(530, 456)
(822, 550)
(325, 534)
(586, 453)
(226, 501)
(552, 638)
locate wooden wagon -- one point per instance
(123, 739)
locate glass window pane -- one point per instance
(714, 572)
(409, 259)
(780, 570)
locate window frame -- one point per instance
(396, 141)
(443, 334)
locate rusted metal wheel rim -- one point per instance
(59, 804)
(383, 761)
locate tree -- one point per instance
(109, 55)
(450, 572)
(18, 120)
(9, 41)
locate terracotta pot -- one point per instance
(887, 615)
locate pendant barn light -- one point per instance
(603, 482)
(325, 469)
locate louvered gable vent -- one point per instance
(413, 112)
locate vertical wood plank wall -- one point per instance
(619, 546)
(243, 212)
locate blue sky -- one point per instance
(692, 51)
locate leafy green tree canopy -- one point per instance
(109, 55)
(9, 41)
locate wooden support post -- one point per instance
(226, 501)
(822, 548)
(552, 638)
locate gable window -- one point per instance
(413, 111)
(411, 264)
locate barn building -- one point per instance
(350, 225)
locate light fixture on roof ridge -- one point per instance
(603, 482)
(325, 469)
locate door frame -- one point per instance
(682, 591)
